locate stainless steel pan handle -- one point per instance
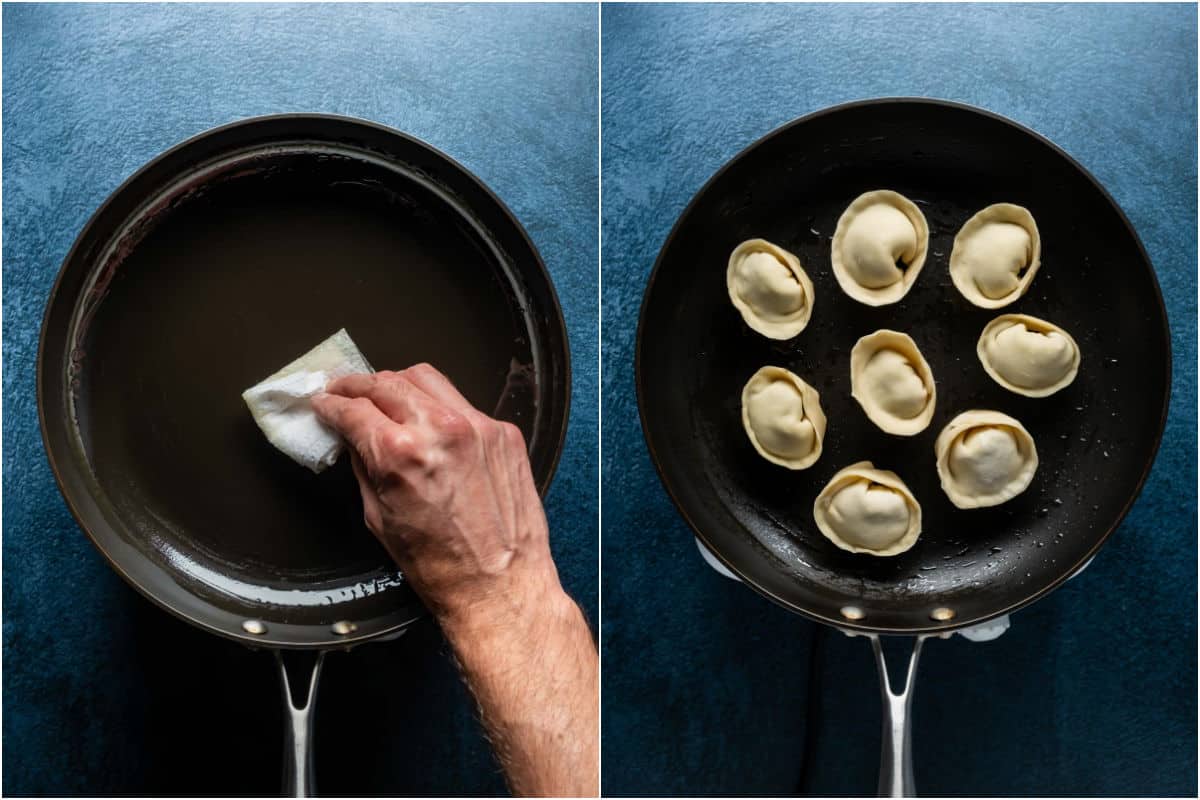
(298, 774)
(895, 760)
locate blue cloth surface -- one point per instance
(710, 689)
(104, 693)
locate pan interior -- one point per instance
(227, 275)
(1095, 439)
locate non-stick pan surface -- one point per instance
(1096, 439)
(216, 264)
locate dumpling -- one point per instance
(879, 247)
(995, 256)
(984, 458)
(892, 382)
(783, 418)
(868, 510)
(769, 287)
(1027, 355)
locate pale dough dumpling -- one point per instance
(984, 458)
(892, 382)
(1027, 355)
(995, 256)
(879, 247)
(783, 418)
(868, 510)
(769, 287)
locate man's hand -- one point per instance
(446, 489)
(449, 493)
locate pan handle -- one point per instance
(295, 669)
(895, 760)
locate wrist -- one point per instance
(512, 612)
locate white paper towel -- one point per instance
(282, 407)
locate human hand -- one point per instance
(446, 489)
(449, 493)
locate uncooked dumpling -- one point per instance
(984, 458)
(868, 510)
(1027, 355)
(995, 256)
(879, 247)
(892, 382)
(783, 418)
(769, 287)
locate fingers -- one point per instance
(405, 394)
(438, 386)
(355, 418)
(397, 398)
(352, 385)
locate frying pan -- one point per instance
(221, 260)
(1096, 439)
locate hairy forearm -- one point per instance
(531, 663)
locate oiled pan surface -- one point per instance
(239, 266)
(1096, 439)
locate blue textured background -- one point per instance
(102, 692)
(709, 689)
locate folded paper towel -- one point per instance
(282, 407)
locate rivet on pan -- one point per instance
(344, 627)
(942, 614)
(254, 626)
(852, 612)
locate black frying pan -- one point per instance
(1096, 439)
(217, 263)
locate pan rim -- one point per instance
(556, 321)
(656, 459)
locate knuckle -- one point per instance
(398, 442)
(453, 426)
(512, 435)
(394, 449)
(423, 368)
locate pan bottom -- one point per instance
(229, 284)
(1095, 439)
